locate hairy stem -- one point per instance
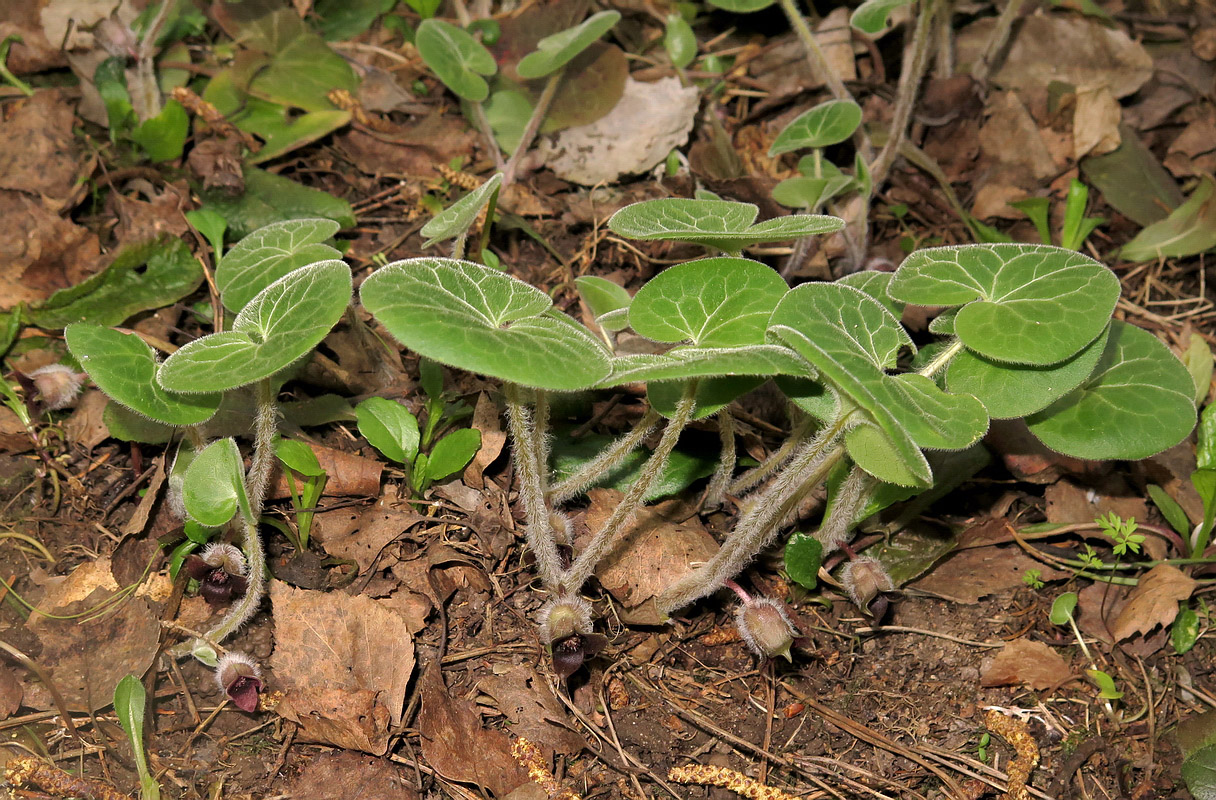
(916, 59)
(538, 116)
(761, 521)
(942, 359)
(850, 499)
(726, 464)
(265, 429)
(537, 529)
(617, 522)
(757, 474)
(487, 132)
(997, 40)
(606, 461)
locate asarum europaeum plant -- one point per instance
(1027, 334)
(287, 292)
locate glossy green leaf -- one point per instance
(913, 553)
(1017, 390)
(1205, 448)
(269, 253)
(478, 319)
(130, 701)
(1062, 608)
(720, 224)
(1026, 304)
(713, 394)
(457, 218)
(602, 297)
(1105, 683)
(281, 130)
(214, 487)
(1185, 630)
(270, 198)
(826, 124)
(679, 41)
(452, 453)
(162, 137)
(711, 302)
(390, 428)
(456, 58)
(554, 52)
(124, 367)
(871, 16)
(682, 363)
(298, 457)
(803, 558)
(1170, 509)
(1189, 229)
(1138, 401)
(144, 276)
(283, 323)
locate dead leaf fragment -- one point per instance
(39, 153)
(1023, 662)
(351, 776)
(349, 718)
(86, 427)
(971, 574)
(1153, 602)
(1095, 123)
(487, 420)
(525, 699)
(346, 474)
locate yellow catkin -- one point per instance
(24, 769)
(529, 756)
(1018, 735)
(737, 782)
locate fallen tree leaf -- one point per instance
(1023, 662)
(1153, 602)
(350, 718)
(346, 474)
(971, 574)
(535, 714)
(351, 776)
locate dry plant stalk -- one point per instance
(1016, 733)
(737, 782)
(528, 756)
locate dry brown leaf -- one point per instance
(140, 220)
(86, 427)
(653, 555)
(1068, 503)
(1011, 137)
(1023, 662)
(342, 717)
(487, 420)
(1095, 123)
(1192, 152)
(458, 747)
(40, 253)
(33, 53)
(39, 153)
(14, 438)
(11, 692)
(525, 699)
(1153, 602)
(346, 474)
(365, 540)
(351, 776)
(329, 639)
(968, 575)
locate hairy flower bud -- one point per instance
(565, 625)
(766, 627)
(58, 385)
(240, 678)
(865, 579)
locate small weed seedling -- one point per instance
(393, 430)
(1062, 614)
(130, 702)
(1077, 227)
(298, 458)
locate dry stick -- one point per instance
(605, 461)
(617, 523)
(915, 61)
(997, 41)
(537, 530)
(538, 115)
(483, 125)
(62, 707)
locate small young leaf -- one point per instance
(1062, 608)
(452, 453)
(457, 218)
(283, 323)
(430, 377)
(478, 319)
(130, 700)
(1189, 229)
(826, 124)
(679, 40)
(269, 253)
(1185, 630)
(390, 428)
(871, 16)
(1105, 684)
(1199, 362)
(1026, 304)
(720, 224)
(214, 486)
(1038, 210)
(298, 457)
(211, 225)
(808, 192)
(1138, 401)
(1170, 509)
(803, 557)
(554, 52)
(124, 367)
(456, 58)
(711, 302)
(601, 296)
(162, 137)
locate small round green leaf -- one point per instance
(478, 319)
(711, 302)
(826, 124)
(298, 457)
(214, 485)
(601, 295)
(124, 367)
(390, 427)
(1025, 304)
(1138, 401)
(452, 453)
(459, 217)
(803, 558)
(554, 52)
(679, 40)
(269, 253)
(1062, 608)
(720, 224)
(871, 16)
(283, 323)
(806, 192)
(456, 58)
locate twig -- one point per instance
(538, 116)
(915, 61)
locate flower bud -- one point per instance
(766, 627)
(865, 579)
(565, 625)
(58, 385)
(240, 678)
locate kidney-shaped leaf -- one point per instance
(459, 217)
(681, 363)
(124, 367)
(711, 302)
(213, 487)
(456, 58)
(1025, 304)
(284, 322)
(721, 224)
(390, 428)
(269, 253)
(1138, 401)
(554, 52)
(826, 124)
(478, 319)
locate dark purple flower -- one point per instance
(220, 572)
(240, 678)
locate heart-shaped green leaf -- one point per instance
(741, 6)
(1022, 303)
(681, 363)
(214, 484)
(711, 302)
(803, 558)
(452, 453)
(124, 367)
(826, 124)
(875, 283)
(269, 253)
(284, 322)
(720, 224)
(478, 319)
(554, 52)
(936, 420)
(459, 217)
(871, 16)
(390, 428)
(456, 58)
(713, 394)
(1138, 401)
(1016, 390)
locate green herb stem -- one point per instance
(265, 429)
(850, 499)
(538, 116)
(775, 460)
(916, 60)
(525, 451)
(607, 460)
(942, 359)
(726, 463)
